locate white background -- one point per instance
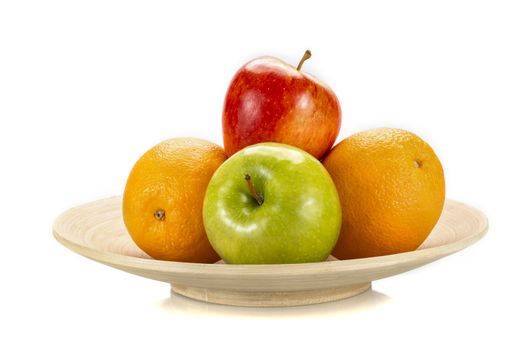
(87, 87)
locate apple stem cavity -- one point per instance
(251, 188)
(307, 55)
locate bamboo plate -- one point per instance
(96, 230)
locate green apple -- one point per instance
(272, 203)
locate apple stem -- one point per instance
(251, 188)
(307, 55)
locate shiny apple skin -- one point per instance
(299, 220)
(269, 100)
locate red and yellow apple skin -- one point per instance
(269, 100)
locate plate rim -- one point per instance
(163, 266)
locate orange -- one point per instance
(162, 204)
(392, 190)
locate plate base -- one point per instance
(272, 298)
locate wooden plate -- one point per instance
(96, 230)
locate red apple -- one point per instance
(269, 100)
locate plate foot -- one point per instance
(270, 298)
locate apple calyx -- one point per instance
(251, 188)
(307, 55)
(160, 214)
